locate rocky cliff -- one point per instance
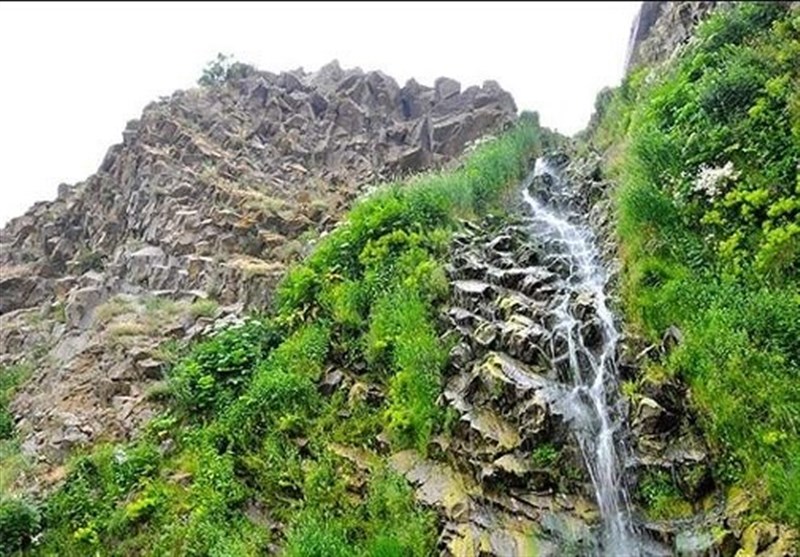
(661, 27)
(194, 216)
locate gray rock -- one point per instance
(446, 88)
(80, 305)
(651, 418)
(331, 382)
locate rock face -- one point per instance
(661, 27)
(509, 474)
(210, 194)
(239, 171)
(508, 477)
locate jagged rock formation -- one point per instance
(211, 193)
(661, 27)
(239, 171)
(510, 474)
(492, 493)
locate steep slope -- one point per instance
(194, 216)
(241, 167)
(281, 435)
(703, 148)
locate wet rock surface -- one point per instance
(519, 471)
(510, 475)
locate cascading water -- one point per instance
(584, 349)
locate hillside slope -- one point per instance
(704, 148)
(195, 216)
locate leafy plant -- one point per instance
(20, 521)
(544, 455)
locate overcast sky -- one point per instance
(74, 74)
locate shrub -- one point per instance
(221, 69)
(219, 367)
(20, 521)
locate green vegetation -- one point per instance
(19, 519)
(203, 307)
(220, 69)
(19, 522)
(250, 457)
(658, 494)
(10, 378)
(544, 456)
(706, 150)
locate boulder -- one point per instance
(80, 306)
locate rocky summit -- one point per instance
(212, 192)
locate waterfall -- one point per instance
(584, 344)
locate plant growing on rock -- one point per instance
(249, 437)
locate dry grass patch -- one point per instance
(253, 267)
(113, 307)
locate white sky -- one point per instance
(74, 74)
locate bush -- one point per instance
(222, 69)
(283, 394)
(20, 521)
(219, 367)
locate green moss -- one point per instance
(660, 496)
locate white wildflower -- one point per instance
(711, 180)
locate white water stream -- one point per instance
(584, 345)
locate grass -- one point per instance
(124, 318)
(19, 519)
(246, 439)
(705, 149)
(113, 307)
(203, 307)
(10, 378)
(253, 267)
(128, 328)
(12, 465)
